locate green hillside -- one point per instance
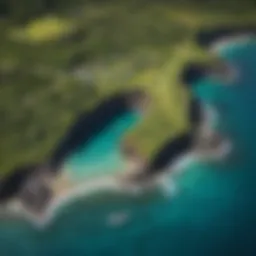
(57, 63)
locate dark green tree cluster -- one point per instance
(22, 10)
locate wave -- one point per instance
(220, 45)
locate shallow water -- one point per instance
(102, 154)
(213, 213)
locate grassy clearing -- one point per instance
(43, 30)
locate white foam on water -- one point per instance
(168, 187)
(228, 42)
(117, 219)
(84, 190)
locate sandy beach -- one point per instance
(65, 191)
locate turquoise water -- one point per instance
(213, 214)
(102, 154)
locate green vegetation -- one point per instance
(56, 64)
(42, 30)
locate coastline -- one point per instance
(63, 197)
(66, 191)
(218, 48)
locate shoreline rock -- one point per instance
(209, 36)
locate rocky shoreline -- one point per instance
(34, 187)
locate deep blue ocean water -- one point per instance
(102, 154)
(213, 213)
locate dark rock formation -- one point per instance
(193, 72)
(30, 184)
(170, 152)
(165, 157)
(208, 36)
(36, 192)
(218, 69)
(90, 124)
(196, 115)
(12, 184)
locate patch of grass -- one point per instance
(43, 30)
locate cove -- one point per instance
(102, 155)
(93, 144)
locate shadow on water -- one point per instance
(170, 151)
(89, 125)
(174, 148)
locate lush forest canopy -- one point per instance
(60, 58)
